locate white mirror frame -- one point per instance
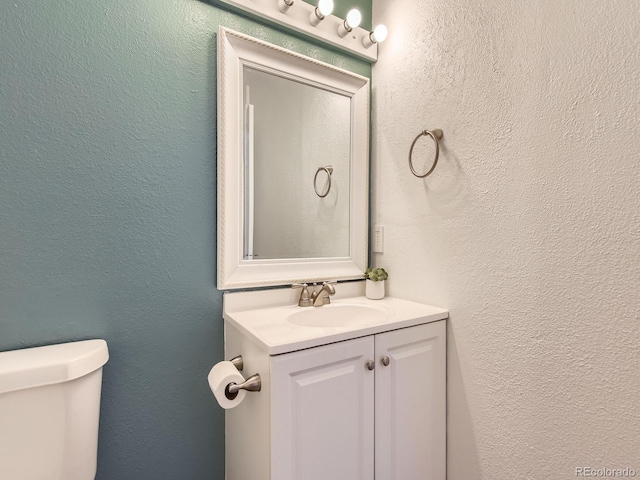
(235, 50)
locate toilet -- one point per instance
(49, 411)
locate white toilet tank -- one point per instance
(49, 411)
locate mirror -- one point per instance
(296, 160)
(292, 166)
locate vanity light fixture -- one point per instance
(378, 35)
(285, 5)
(313, 18)
(354, 17)
(324, 8)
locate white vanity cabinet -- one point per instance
(323, 412)
(410, 403)
(359, 409)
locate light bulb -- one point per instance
(325, 7)
(353, 19)
(380, 33)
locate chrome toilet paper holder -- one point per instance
(251, 384)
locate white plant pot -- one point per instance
(374, 290)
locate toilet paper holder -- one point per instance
(238, 362)
(251, 384)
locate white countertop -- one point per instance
(264, 315)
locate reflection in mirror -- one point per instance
(297, 164)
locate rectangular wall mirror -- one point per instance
(293, 138)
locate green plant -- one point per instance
(376, 274)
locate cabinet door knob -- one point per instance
(385, 361)
(370, 365)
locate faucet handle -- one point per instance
(305, 298)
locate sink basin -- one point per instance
(342, 315)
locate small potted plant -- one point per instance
(375, 282)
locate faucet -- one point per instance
(321, 297)
(305, 299)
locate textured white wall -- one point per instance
(529, 228)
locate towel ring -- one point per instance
(435, 135)
(329, 170)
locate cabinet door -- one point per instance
(410, 396)
(322, 413)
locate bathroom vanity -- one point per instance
(351, 390)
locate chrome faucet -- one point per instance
(321, 297)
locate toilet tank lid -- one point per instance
(39, 366)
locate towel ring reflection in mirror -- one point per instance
(329, 170)
(435, 135)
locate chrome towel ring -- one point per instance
(329, 170)
(435, 135)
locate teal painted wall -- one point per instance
(107, 211)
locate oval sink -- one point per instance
(338, 316)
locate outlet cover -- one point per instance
(378, 238)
